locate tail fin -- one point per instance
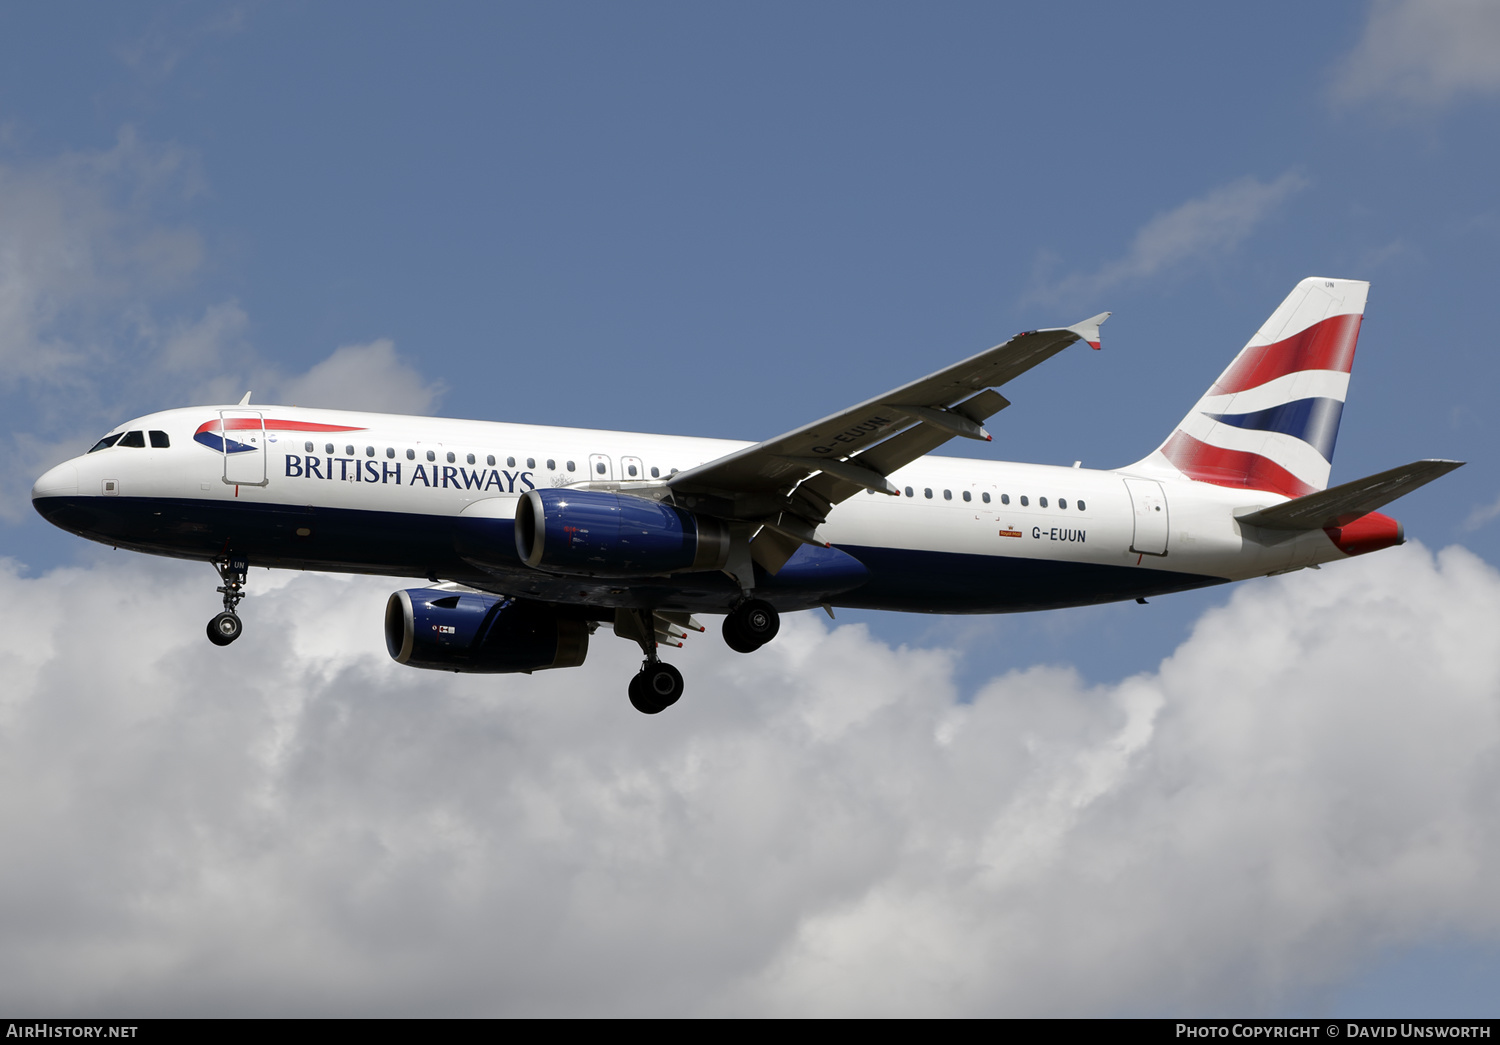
(1271, 419)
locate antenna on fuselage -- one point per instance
(246, 400)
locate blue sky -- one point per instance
(727, 221)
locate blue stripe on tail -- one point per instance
(1314, 421)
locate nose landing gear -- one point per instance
(226, 626)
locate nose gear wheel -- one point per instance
(226, 626)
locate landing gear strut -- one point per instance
(226, 626)
(751, 625)
(658, 685)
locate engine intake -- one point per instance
(474, 632)
(602, 534)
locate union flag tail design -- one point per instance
(1271, 419)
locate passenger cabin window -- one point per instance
(133, 439)
(510, 462)
(471, 458)
(986, 497)
(967, 496)
(927, 492)
(307, 447)
(390, 451)
(106, 442)
(1081, 507)
(655, 472)
(551, 465)
(1024, 501)
(1005, 498)
(1062, 502)
(1042, 501)
(369, 451)
(451, 458)
(630, 469)
(572, 467)
(909, 493)
(349, 450)
(328, 449)
(530, 462)
(411, 455)
(947, 495)
(599, 467)
(431, 456)
(490, 460)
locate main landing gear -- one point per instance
(226, 626)
(658, 685)
(751, 625)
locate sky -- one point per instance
(1270, 799)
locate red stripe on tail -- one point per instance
(1326, 345)
(1213, 464)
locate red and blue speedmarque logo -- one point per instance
(211, 433)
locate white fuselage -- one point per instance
(377, 467)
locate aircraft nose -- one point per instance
(61, 481)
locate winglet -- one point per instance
(245, 401)
(1089, 329)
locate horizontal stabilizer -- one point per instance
(1342, 504)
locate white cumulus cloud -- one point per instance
(1423, 52)
(82, 245)
(297, 825)
(1482, 515)
(1202, 227)
(91, 244)
(363, 377)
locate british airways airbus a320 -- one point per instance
(533, 537)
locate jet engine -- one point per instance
(475, 632)
(602, 534)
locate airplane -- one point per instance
(533, 537)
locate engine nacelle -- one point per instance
(602, 534)
(474, 632)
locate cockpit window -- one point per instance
(160, 440)
(134, 439)
(106, 442)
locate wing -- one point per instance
(785, 486)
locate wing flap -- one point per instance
(901, 450)
(1342, 504)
